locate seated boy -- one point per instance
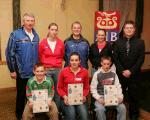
(39, 82)
(105, 76)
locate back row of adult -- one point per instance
(22, 54)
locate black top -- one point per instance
(95, 55)
(131, 61)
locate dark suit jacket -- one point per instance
(134, 60)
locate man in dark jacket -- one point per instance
(77, 43)
(129, 57)
(21, 56)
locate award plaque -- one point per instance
(75, 94)
(40, 101)
(110, 95)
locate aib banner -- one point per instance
(110, 21)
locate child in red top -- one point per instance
(73, 74)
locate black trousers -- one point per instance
(130, 88)
(21, 96)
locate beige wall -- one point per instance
(48, 11)
(146, 32)
(51, 11)
(5, 29)
(146, 26)
(5, 23)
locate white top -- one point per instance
(52, 44)
(94, 83)
(31, 36)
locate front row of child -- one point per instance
(39, 82)
(103, 76)
(106, 76)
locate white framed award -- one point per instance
(110, 95)
(40, 101)
(75, 94)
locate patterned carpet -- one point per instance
(7, 104)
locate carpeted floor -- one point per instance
(7, 104)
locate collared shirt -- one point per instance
(33, 84)
(30, 34)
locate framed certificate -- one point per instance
(40, 101)
(110, 95)
(75, 94)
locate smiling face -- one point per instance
(74, 61)
(129, 30)
(39, 73)
(28, 22)
(76, 29)
(101, 35)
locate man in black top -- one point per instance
(129, 57)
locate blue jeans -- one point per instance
(100, 111)
(70, 111)
(54, 74)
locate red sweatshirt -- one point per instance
(47, 57)
(66, 77)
